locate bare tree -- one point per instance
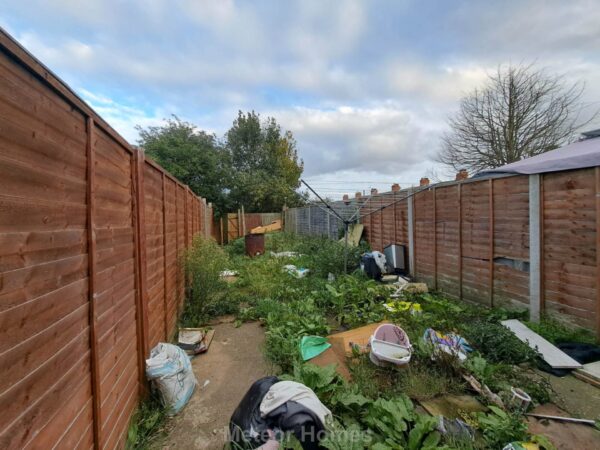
(520, 112)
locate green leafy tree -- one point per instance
(265, 166)
(193, 156)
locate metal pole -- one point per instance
(345, 247)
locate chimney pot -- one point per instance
(424, 181)
(373, 191)
(462, 175)
(346, 198)
(357, 195)
(395, 187)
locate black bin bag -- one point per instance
(369, 267)
(248, 430)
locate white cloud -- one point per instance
(385, 138)
(364, 86)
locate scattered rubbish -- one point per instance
(195, 340)
(343, 345)
(521, 446)
(451, 344)
(414, 308)
(346, 342)
(311, 346)
(354, 234)
(563, 419)
(389, 278)
(170, 369)
(455, 428)
(271, 407)
(395, 256)
(398, 287)
(229, 273)
(589, 373)
(416, 288)
(255, 244)
(206, 383)
(330, 277)
(564, 435)
(329, 357)
(556, 358)
(295, 271)
(373, 264)
(390, 344)
(284, 254)
(483, 390)
(273, 226)
(520, 399)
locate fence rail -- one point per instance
(90, 237)
(530, 241)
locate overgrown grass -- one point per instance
(207, 294)
(556, 332)
(146, 424)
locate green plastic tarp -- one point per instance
(311, 346)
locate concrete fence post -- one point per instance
(411, 233)
(534, 248)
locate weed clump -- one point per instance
(207, 292)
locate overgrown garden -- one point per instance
(378, 409)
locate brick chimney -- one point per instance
(373, 191)
(357, 195)
(424, 181)
(395, 187)
(462, 175)
(346, 199)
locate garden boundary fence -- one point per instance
(235, 225)
(91, 233)
(525, 240)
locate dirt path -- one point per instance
(233, 362)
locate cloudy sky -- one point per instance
(365, 86)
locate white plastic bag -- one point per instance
(171, 370)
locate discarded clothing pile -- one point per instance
(451, 344)
(280, 406)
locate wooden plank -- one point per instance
(555, 357)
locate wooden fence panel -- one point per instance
(45, 377)
(446, 257)
(171, 280)
(155, 286)
(511, 241)
(424, 249)
(569, 246)
(475, 242)
(83, 225)
(181, 245)
(114, 292)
